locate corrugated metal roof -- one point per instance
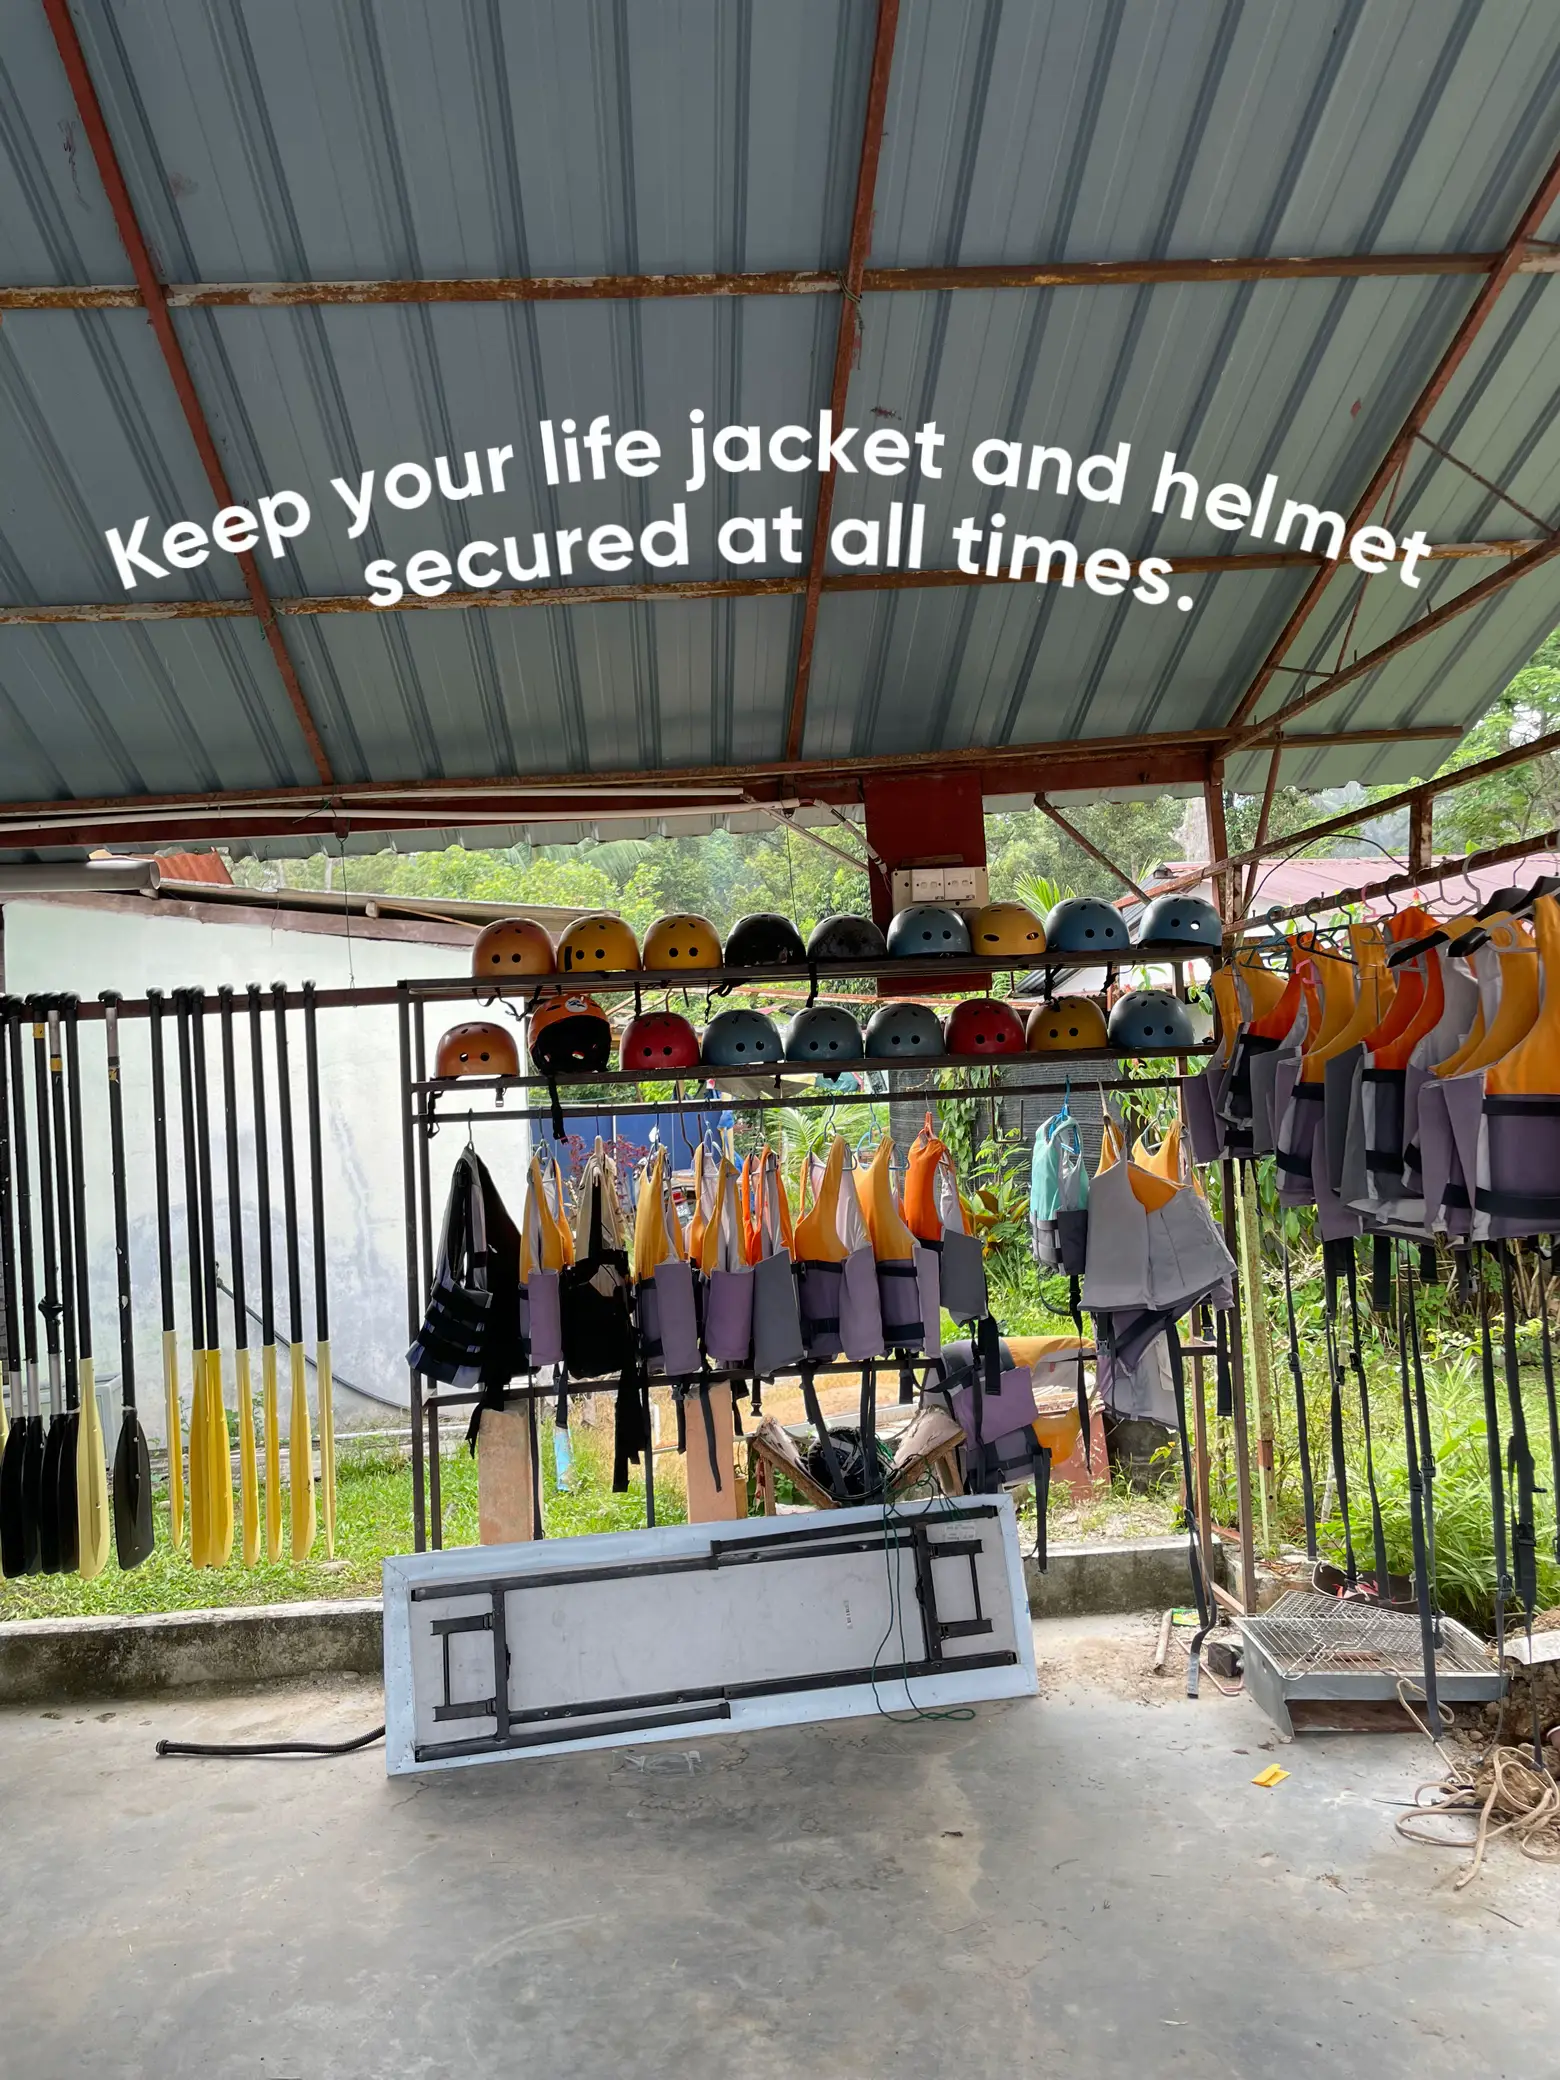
(316, 139)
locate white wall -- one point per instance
(61, 947)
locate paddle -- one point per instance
(170, 1340)
(14, 1549)
(321, 1289)
(70, 1436)
(200, 1463)
(219, 1451)
(93, 1523)
(300, 1442)
(248, 1473)
(132, 1486)
(273, 1440)
(21, 1474)
(49, 1529)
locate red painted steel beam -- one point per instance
(595, 288)
(844, 353)
(73, 58)
(655, 593)
(1473, 322)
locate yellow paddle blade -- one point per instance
(248, 1472)
(220, 1476)
(327, 1446)
(200, 1465)
(175, 1436)
(300, 1458)
(273, 1452)
(94, 1525)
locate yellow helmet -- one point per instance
(1001, 930)
(513, 946)
(675, 944)
(1066, 1027)
(600, 944)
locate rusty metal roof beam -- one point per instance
(1416, 631)
(844, 354)
(84, 93)
(45, 615)
(592, 288)
(1514, 254)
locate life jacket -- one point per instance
(1153, 1245)
(593, 1302)
(1059, 1195)
(1517, 1191)
(1372, 1168)
(1452, 1127)
(1333, 1063)
(841, 1314)
(663, 1277)
(546, 1246)
(951, 1265)
(894, 1252)
(470, 1334)
(727, 1276)
(777, 1319)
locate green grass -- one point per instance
(373, 1520)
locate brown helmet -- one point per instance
(477, 1049)
(513, 946)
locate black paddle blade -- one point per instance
(65, 1506)
(133, 1539)
(18, 1554)
(49, 1496)
(32, 1492)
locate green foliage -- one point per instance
(1026, 847)
(1524, 798)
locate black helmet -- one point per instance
(846, 938)
(1083, 924)
(928, 928)
(822, 1035)
(765, 940)
(738, 1039)
(1150, 1021)
(895, 1031)
(1180, 921)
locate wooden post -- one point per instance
(1248, 1556)
(708, 1504)
(1421, 818)
(1218, 841)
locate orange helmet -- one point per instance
(1007, 931)
(1065, 1027)
(568, 1033)
(600, 944)
(677, 943)
(984, 1025)
(478, 1049)
(514, 946)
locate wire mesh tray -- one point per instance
(1310, 1646)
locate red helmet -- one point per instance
(984, 1025)
(658, 1041)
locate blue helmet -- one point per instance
(823, 1034)
(1150, 1021)
(927, 928)
(740, 1040)
(898, 1031)
(1083, 924)
(1180, 921)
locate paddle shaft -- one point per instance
(311, 1055)
(13, 1349)
(62, 1195)
(24, 1233)
(48, 1299)
(181, 1004)
(160, 1158)
(203, 1159)
(78, 1185)
(116, 1156)
(289, 1168)
(262, 1165)
(235, 1203)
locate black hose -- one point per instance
(363, 1740)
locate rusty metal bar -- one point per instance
(844, 355)
(1403, 883)
(1513, 255)
(1495, 490)
(1071, 830)
(1053, 274)
(73, 58)
(1416, 631)
(1264, 816)
(47, 615)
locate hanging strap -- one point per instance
(870, 1474)
(1380, 1273)
(1497, 1478)
(1416, 1447)
(1200, 1589)
(1519, 1453)
(709, 1432)
(1340, 1469)
(1357, 1366)
(831, 1460)
(1544, 1252)
(1297, 1378)
(1075, 1309)
(1223, 1377)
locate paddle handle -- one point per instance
(109, 999)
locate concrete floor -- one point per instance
(1086, 1885)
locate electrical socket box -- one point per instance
(963, 888)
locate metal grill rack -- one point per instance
(1312, 1648)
